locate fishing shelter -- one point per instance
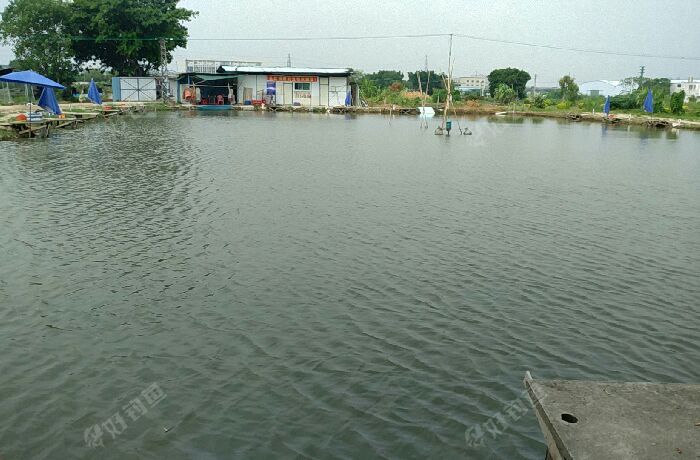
(31, 78)
(277, 86)
(206, 89)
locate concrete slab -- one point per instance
(586, 420)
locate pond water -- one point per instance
(314, 286)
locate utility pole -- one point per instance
(534, 89)
(289, 59)
(164, 85)
(641, 75)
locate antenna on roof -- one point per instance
(289, 59)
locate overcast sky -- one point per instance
(628, 26)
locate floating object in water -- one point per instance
(426, 112)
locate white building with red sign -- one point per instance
(309, 87)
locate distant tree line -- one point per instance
(58, 37)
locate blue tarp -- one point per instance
(29, 77)
(606, 107)
(348, 99)
(93, 93)
(48, 101)
(649, 102)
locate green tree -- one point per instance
(569, 88)
(123, 35)
(436, 81)
(516, 79)
(368, 89)
(36, 31)
(505, 94)
(384, 78)
(440, 95)
(677, 100)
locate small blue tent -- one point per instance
(649, 102)
(48, 101)
(93, 93)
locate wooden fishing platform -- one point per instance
(29, 129)
(40, 128)
(83, 116)
(587, 420)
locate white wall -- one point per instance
(337, 90)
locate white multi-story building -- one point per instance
(473, 83)
(690, 86)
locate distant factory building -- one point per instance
(605, 88)
(272, 86)
(473, 84)
(690, 86)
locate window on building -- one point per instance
(302, 86)
(678, 85)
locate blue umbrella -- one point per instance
(606, 107)
(93, 93)
(48, 101)
(649, 102)
(29, 77)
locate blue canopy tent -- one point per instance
(93, 93)
(29, 77)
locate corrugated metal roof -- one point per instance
(285, 70)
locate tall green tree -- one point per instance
(384, 78)
(436, 81)
(568, 88)
(36, 31)
(123, 35)
(513, 78)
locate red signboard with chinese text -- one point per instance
(292, 78)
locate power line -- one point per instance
(580, 50)
(402, 36)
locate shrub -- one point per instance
(538, 101)
(563, 105)
(505, 94)
(677, 102)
